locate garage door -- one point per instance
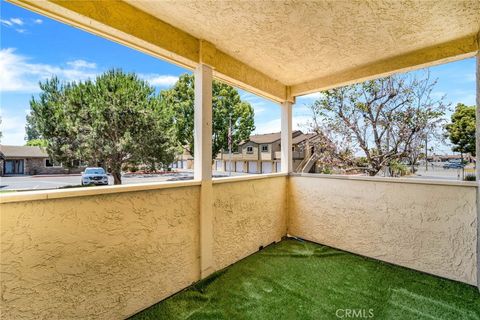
(279, 166)
(266, 167)
(219, 165)
(239, 166)
(228, 165)
(184, 164)
(252, 167)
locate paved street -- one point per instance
(53, 182)
(438, 173)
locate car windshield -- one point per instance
(95, 171)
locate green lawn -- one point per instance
(302, 280)
(7, 191)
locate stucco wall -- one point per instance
(248, 155)
(247, 215)
(428, 227)
(107, 256)
(97, 257)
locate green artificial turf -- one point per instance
(301, 280)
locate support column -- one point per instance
(203, 163)
(477, 162)
(203, 123)
(286, 137)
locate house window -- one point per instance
(52, 163)
(264, 147)
(79, 163)
(249, 149)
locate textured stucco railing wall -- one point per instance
(97, 257)
(109, 255)
(82, 255)
(247, 215)
(427, 227)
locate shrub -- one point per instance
(470, 177)
(398, 169)
(326, 171)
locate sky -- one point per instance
(34, 48)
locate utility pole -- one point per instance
(230, 144)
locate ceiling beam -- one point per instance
(446, 52)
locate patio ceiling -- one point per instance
(284, 49)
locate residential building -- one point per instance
(29, 160)
(261, 153)
(183, 161)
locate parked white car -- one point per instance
(96, 176)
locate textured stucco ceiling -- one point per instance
(298, 41)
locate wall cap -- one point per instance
(388, 180)
(22, 196)
(82, 192)
(249, 177)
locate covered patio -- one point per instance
(109, 253)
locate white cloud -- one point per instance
(12, 21)
(159, 80)
(6, 22)
(17, 21)
(13, 130)
(18, 24)
(79, 64)
(17, 74)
